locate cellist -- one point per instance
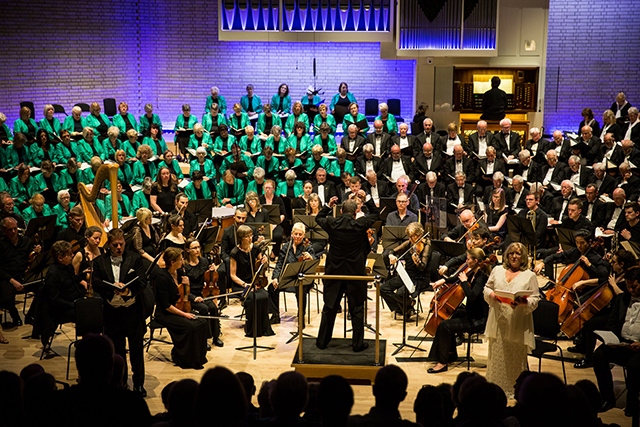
(195, 268)
(417, 257)
(466, 318)
(480, 238)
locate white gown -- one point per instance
(509, 331)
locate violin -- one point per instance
(305, 245)
(184, 289)
(261, 280)
(370, 233)
(211, 287)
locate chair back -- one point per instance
(394, 106)
(83, 106)
(89, 316)
(545, 320)
(59, 109)
(110, 106)
(371, 107)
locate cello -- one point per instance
(596, 302)
(448, 298)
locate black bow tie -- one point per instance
(452, 139)
(429, 158)
(396, 160)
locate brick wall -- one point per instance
(592, 55)
(167, 52)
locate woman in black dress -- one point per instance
(497, 213)
(188, 333)
(174, 238)
(164, 191)
(145, 238)
(244, 260)
(195, 267)
(255, 213)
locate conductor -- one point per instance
(494, 101)
(349, 246)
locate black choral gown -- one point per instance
(189, 337)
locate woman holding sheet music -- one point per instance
(188, 333)
(510, 325)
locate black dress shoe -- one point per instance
(606, 405)
(627, 413)
(437, 371)
(321, 347)
(583, 363)
(218, 342)
(208, 347)
(141, 390)
(363, 347)
(576, 349)
(17, 322)
(275, 320)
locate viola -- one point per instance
(305, 246)
(211, 287)
(184, 289)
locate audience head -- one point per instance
(289, 396)
(221, 386)
(335, 399)
(390, 387)
(94, 359)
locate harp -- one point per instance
(87, 199)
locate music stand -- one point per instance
(632, 247)
(314, 231)
(410, 288)
(252, 288)
(521, 230)
(274, 213)
(208, 238)
(44, 227)
(201, 208)
(566, 238)
(128, 225)
(387, 205)
(448, 250)
(294, 274)
(393, 236)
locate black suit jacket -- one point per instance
(361, 166)
(131, 267)
(387, 166)
(452, 194)
(540, 156)
(541, 224)
(329, 190)
(420, 165)
(385, 143)
(631, 188)
(608, 185)
(468, 167)
(624, 112)
(586, 176)
(513, 149)
(511, 195)
(617, 156)
(559, 173)
(611, 207)
(424, 191)
(384, 189)
(534, 171)
(435, 140)
(412, 142)
(557, 211)
(635, 132)
(359, 142)
(598, 212)
(481, 175)
(615, 129)
(472, 144)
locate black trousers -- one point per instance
(209, 308)
(443, 348)
(597, 322)
(127, 323)
(393, 291)
(274, 299)
(621, 356)
(8, 299)
(356, 294)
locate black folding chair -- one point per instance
(89, 320)
(547, 328)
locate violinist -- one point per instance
(416, 251)
(188, 333)
(181, 202)
(296, 250)
(195, 268)
(244, 261)
(621, 262)
(466, 318)
(467, 220)
(120, 278)
(592, 262)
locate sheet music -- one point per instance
(222, 212)
(408, 283)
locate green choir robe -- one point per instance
(262, 123)
(94, 123)
(331, 143)
(282, 188)
(140, 201)
(302, 146)
(118, 121)
(69, 124)
(222, 105)
(331, 121)
(336, 98)
(139, 172)
(63, 219)
(286, 104)
(53, 133)
(190, 122)
(22, 192)
(292, 120)
(336, 170)
(237, 197)
(29, 213)
(392, 124)
(209, 168)
(190, 191)
(145, 122)
(256, 103)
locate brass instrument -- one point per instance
(615, 241)
(87, 199)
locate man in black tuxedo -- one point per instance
(352, 142)
(610, 150)
(453, 138)
(396, 166)
(621, 108)
(508, 141)
(408, 143)
(190, 219)
(120, 278)
(593, 154)
(323, 188)
(614, 218)
(479, 141)
(593, 208)
(349, 246)
(516, 195)
(428, 135)
(532, 202)
(427, 161)
(561, 202)
(527, 168)
(379, 140)
(497, 181)
(375, 188)
(537, 146)
(579, 174)
(631, 153)
(631, 130)
(367, 160)
(431, 189)
(628, 182)
(486, 168)
(553, 171)
(561, 146)
(605, 183)
(459, 163)
(459, 193)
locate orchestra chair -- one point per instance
(432, 269)
(89, 320)
(547, 328)
(154, 325)
(371, 108)
(474, 331)
(31, 107)
(59, 109)
(394, 108)
(110, 107)
(83, 106)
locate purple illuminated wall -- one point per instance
(592, 54)
(167, 52)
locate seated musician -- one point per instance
(401, 216)
(181, 201)
(61, 288)
(13, 265)
(293, 251)
(481, 239)
(145, 237)
(195, 267)
(255, 213)
(470, 317)
(270, 198)
(82, 259)
(590, 260)
(623, 322)
(537, 216)
(621, 262)
(416, 252)
(188, 333)
(120, 279)
(174, 238)
(630, 227)
(467, 219)
(230, 190)
(75, 231)
(244, 261)
(402, 186)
